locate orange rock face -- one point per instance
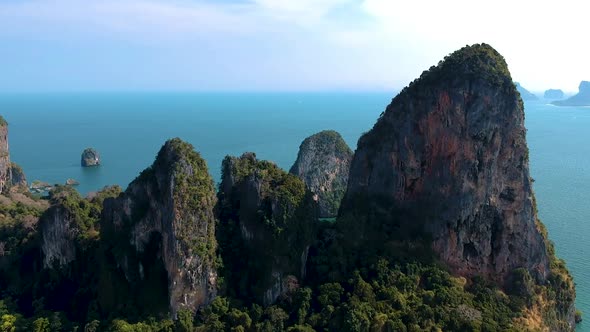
(450, 154)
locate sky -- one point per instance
(279, 45)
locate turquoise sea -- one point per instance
(49, 131)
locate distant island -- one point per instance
(524, 93)
(553, 94)
(581, 99)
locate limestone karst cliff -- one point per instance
(161, 231)
(323, 163)
(447, 163)
(267, 223)
(18, 177)
(5, 169)
(70, 221)
(11, 174)
(58, 235)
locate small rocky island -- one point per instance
(90, 157)
(323, 163)
(72, 182)
(581, 99)
(553, 94)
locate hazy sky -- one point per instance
(48, 45)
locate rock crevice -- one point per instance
(165, 218)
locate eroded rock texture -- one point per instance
(18, 177)
(5, 169)
(162, 228)
(58, 236)
(267, 224)
(323, 163)
(449, 157)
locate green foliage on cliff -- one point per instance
(194, 193)
(363, 273)
(327, 139)
(3, 121)
(280, 191)
(267, 219)
(85, 213)
(478, 61)
(382, 297)
(322, 163)
(333, 198)
(558, 296)
(169, 220)
(18, 223)
(16, 169)
(18, 179)
(36, 296)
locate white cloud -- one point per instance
(543, 41)
(384, 41)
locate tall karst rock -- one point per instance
(446, 169)
(323, 163)
(267, 224)
(11, 174)
(449, 156)
(160, 231)
(5, 165)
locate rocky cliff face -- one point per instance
(323, 163)
(580, 99)
(18, 177)
(449, 154)
(267, 223)
(5, 177)
(70, 224)
(58, 234)
(163, 228)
